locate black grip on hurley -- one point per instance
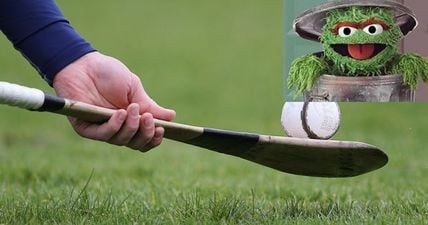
(52, 103)
(227, 142)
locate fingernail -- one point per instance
(122, 116)
(148, 122)
(135, 110)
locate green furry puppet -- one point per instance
(358, 41)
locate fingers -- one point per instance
(149, 136)
(161, 112)
(129, 128)
(125, 128)
(103, 132)
(138, 132)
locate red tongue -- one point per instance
(361, 51)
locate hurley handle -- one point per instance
(36, 100)
(20, 96)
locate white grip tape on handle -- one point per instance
(24, 97)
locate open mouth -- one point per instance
(359, 51)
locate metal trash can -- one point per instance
(386, 88)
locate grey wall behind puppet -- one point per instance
(417, 41)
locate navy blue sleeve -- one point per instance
(38, 29)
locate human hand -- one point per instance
(104, 81)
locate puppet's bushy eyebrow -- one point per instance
(359, 25)
(374, 21)
(338, 25)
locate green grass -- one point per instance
(218, 63)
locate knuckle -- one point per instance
(147, 134)
(113, 127)
(109, 131)
(133, 126)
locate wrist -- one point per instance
(73, 71)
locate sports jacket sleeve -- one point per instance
(38, 29)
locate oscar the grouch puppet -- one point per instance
(360, 38)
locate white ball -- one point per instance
(318, 120)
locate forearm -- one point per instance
(38, 29)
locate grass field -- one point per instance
(219, 64)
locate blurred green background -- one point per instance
(218, 64)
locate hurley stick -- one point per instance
(321, 158)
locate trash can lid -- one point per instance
(310, 23)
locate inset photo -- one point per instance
(356, 51)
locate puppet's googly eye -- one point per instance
(373, 29)
(346, 31)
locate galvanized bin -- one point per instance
(386, 88)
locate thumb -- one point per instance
(147, 104)
(160, 112)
